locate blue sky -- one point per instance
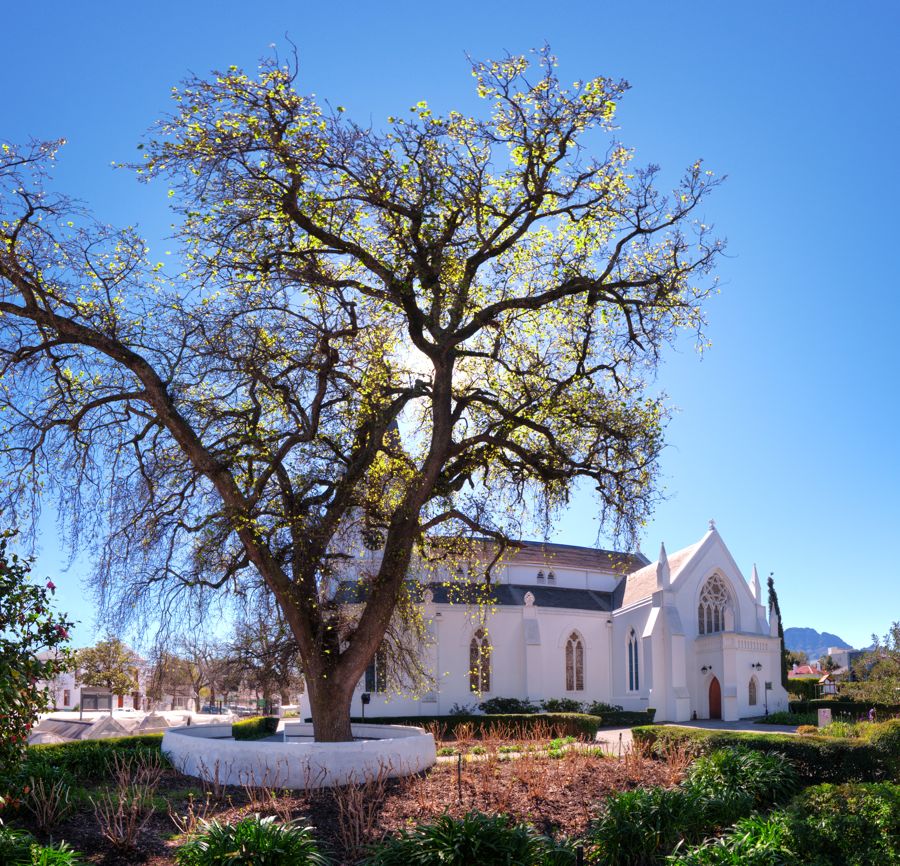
(786, 431)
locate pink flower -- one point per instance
(62, 631)
(51, 586)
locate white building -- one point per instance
(686, 635)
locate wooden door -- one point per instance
(715, 699)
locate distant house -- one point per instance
(805, 671)
(67, 693)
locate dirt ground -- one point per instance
(558, 792)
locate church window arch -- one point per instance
(751, 692)
(480, 662)
(714, 601)
(575, 663)
(634, 682)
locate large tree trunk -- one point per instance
(329, 703)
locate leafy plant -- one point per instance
(488, 840)
(14, 844)
(599, 708)
(756, 840)
(764, 778)
(641, 825)
(562, 705)
(18, 848)
(507, 706)
(257, 728)
(254, 841)
(28, 625)
(783, 717)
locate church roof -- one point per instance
(642, 583)
(572, 556)
(501, 595)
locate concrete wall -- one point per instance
(393, 750)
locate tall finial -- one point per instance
(712, 525)
(757, 589)
(662, 568)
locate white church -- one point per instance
(685, 635)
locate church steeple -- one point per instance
(662, 568)
(755, 585)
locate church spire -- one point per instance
(754, 583)
(662, 568)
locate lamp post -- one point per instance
(364, 698)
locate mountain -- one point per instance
(814, 644)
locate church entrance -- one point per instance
(715, 699)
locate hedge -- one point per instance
(857, 709)
(818, 759)
(86, 760)
(560, 724)
(257, 728)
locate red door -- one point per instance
(121, 701)
(715, 699)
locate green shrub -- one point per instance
(757, 840)
(562, 705)
(816, 759)
(18, 848)
(641, 825)
(884, 738)
(558, 724)
(850, 825)
(825, 825)
(506, 706)
(486, 840)
(598, 708)
(254, 841)
(785, 718)
(257, 728)
(85, 761)
(765, 778)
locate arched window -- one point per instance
(574, 663)
(479, 663)
(376, 672)
(551, 577)
(634, 682)
(713, 602)
(752, 692)
(540, 576)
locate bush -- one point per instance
(18, 848)
(807, 729)
(254, 841)
(816, 759)
(562, 705)
(856, 825)
(598, 708)
(826, 825)
(641, 825)
(884, 738)
(765, 778)
(786, 718)
(506, 706)
(486, 840)
(257, 728)
(557, 724)
(87, 761)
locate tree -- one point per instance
(828, 664)
(169, 675)
(265, 654)
(796, 657)
(774, 606)
(378, 339)
(28, 626)
(877, 671)
(108, 665)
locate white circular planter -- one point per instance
(209, 752)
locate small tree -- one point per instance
(110, 665)
(878, 671)
(773, 605)
(828, 664)
(797, 657)
(28, 626)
